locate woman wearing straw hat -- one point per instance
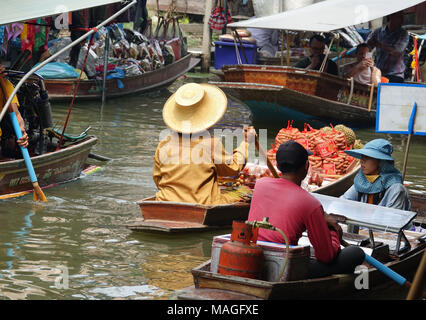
(189, 160)
(378, 182)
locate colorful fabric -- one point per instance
(217, 19)
(28, 37)
(390, 62)
(40, 35)
(2, 38)
(294, 211)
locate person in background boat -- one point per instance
(189, 160)
(363, 69)
(391, 41)
(378, 182)
(316, 57)
(6, 140)
(294, 210)
(266, 40)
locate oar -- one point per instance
(38, 193)
(375, 263)
(385, 270)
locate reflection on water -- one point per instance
(81, 226)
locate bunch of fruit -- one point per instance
(327, 144)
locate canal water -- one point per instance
(76, 245)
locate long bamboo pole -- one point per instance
(419, 282)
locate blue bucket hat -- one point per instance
(378, 149)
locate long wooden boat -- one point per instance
(51, 168)
(172, 217)
(274, 92)
(62, 89)
(209, 285)
(168, 216)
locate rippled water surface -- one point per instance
(81, 229)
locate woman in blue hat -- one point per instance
(378, 182)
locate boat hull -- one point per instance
(63, 89)
(173, 217)
(275, 93)
(51, 168)
(208, 285)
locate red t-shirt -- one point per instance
(293, 210)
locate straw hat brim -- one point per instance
(199, 117)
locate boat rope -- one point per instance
(91, 42)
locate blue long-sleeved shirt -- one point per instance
(395, 196)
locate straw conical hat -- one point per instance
(194, 108)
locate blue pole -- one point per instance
(387, 271)
(25, 153)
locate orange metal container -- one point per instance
(241, 256)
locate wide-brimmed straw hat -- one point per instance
(378, 149)
(194, 108)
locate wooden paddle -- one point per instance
(38, 193)
(377, 264)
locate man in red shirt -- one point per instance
(293, 210)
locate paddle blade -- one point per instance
(38, 193)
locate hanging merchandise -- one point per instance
(40, 35)
(218, 19)
(12, 41)
(2, 36)
(175, 41)
(92, 60)
(28, 37)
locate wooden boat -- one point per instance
(273, 93)
(174, 217)
(61, 89)
(418, 204)
(210, 286)
(51, 168)
(382, 244)
(168, 216)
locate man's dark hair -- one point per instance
(362, 45)
(317, 37)
(289, 168)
